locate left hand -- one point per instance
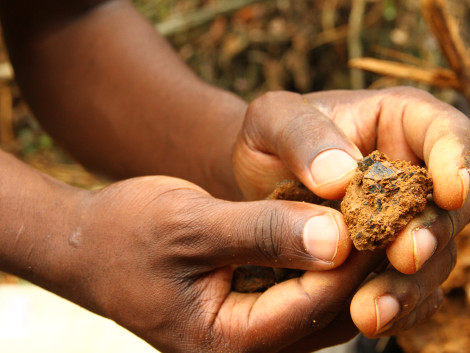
(317, 139)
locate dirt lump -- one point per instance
(382, 198)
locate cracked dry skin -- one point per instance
(382, 198)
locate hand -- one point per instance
(155, 254)
(317, 138)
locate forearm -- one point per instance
(113, 92)
(39, 220)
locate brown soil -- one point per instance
(294, 190)
(250, 279)
(449, 329)
(382, 198)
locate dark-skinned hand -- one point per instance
(318, 137)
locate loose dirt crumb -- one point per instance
(382, 198)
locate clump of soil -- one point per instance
(294, 190)
(250, 279)
(382, 198)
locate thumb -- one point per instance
(283, 135)
(278, 234)
(326, 164)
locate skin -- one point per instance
(155, 253)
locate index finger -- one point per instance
(294, 309)
(440, 135)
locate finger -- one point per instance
(425, 236)
(301, 138)
(370, 118)
(421, 313)
(273, 233)
(440, 135)
(297, 308)
(393, 295)
(276, 233)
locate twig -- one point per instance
(328, 14)
(445, 29)
(341, 32)
(328, 36)
(355, 48)
(186, 22)
(398, 55)
(439, 77)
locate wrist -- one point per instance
(39, 218)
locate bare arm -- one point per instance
(114, 93)
(155, 254)
(38, 217)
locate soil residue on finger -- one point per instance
(294, 190)
(382, 198)
(467, 160)
(251, 279)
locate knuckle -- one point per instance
(269, 102)
(184, 225)
(409, 321)
(411, 92)
(267, 226)
(273, 97)
(260, 104)
(452, 257)
(316, 131)
(417, 292)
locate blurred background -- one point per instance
(253, 46)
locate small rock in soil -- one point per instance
(382, 198)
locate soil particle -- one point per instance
(467, 160)
(250, 279)
(294, 190)
(382, 198)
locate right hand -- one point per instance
(155, 254)
(317, 139)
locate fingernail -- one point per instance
(321, 235)
(387, 308)
(465, 180)
(425, 243)
(331, 165)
